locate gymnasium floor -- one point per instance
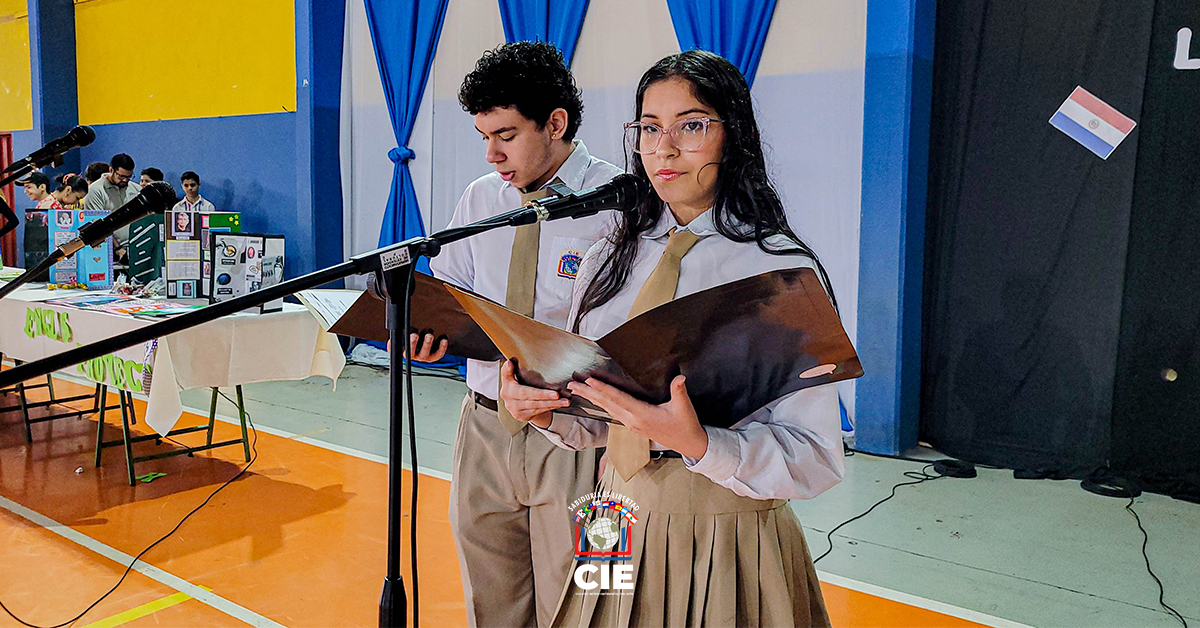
(299, 540)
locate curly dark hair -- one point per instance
(528, 75)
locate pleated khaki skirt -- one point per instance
(703, 556)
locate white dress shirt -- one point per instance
(480, 263)
(789, 449)
(201, 205)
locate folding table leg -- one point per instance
(126, 407)
(242, 417)
(212, 415)
(102, 395)
(25, 412)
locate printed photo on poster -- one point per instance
(63, 218)
(187, 289)
(183, 225)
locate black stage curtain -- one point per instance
(1027, 231)
(1156, 401)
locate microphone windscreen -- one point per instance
(82, 135)
(632, 189)
(160, 195)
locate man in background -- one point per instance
(112, 191)
(192, 201)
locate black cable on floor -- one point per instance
(129, 568)
(919, 477)
(1161, 591)
(1106, 483)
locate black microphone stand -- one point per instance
(394, 265)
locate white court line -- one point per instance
(150, 571)
(847, 583)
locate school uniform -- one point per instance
(511, 487)
(715, 542)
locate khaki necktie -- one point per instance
(522, 279)
(630, 452)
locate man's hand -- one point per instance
(424, 355)
(425, 352)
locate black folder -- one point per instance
(433, 310)
(741, 345)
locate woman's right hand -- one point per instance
(527, 403)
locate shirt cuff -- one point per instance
(559, 424)
(721, 460)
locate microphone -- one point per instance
(621, 193)
(153, 199)
(76, 137)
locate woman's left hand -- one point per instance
(672, 424)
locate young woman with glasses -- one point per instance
(715, 542)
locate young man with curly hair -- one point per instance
(511, 486)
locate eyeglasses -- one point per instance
(687, 135)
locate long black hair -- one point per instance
(746, 206)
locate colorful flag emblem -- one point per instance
(1092, 122)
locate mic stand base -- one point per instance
(393, 605)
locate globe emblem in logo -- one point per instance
(603, 534)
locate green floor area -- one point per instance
(1038, 552)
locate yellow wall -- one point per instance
(16, 106)
(141, 60)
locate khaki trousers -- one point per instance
(509, 501)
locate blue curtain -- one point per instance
(405, 34)
(734, 29)
(554, 21)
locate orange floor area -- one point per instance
(300, 539)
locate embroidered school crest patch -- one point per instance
(568, 263)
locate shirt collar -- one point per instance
(701, 225)
(572, 171)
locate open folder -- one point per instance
(433, 310)
(741, 345)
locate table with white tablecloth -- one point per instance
(239, 349)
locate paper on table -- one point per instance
(328, 305)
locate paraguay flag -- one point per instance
(1091, 122)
